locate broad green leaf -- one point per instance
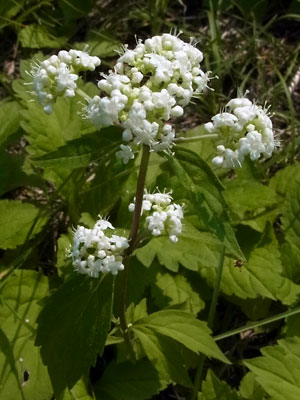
(127, 381)
(278, 370)
(251, 203)
(214, 389)
(250, 389)
(166, 355)
(171, 290)
(184, 328)
(204, 191)
(37, 36)
(22, 373)
(283, 178)
(9, 119)
(193, 250)
(17, 221)
(261, 276)
(73, 326)
(80, 152)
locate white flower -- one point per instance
(149, 85)
(125, 153)
(56, 76)
(163, 216)
(245, 129)
(94, 252)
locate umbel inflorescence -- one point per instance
(57, 76)
(162, 215)
(243, 129)
(149, 86)
(95, 250)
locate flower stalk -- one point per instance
(210, 322)
(132, 237)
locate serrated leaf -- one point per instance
(166, 356)
(72, 328)
(278, 370)
(78, 392)
(204, 191)
(127, 381)
(22, 374)
(193, 250)
(250, 389)
(80, 152)
(214, 389)
(16, 221)
(171, 290)
(184, 328)
(261, 276)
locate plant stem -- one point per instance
(132, 237)
(210, 322)
(257, 324)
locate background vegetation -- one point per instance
(250, 45)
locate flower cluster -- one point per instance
(57, 76)
(94, 252)
(165, 217)
(246, 129)
(149, 85)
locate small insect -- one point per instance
(238, 263)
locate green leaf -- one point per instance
(17, 220)
(37, 36)
(166, 355)
(22, 374)
(9, 119)
(251, 203)
(278, 370)
(214, 389)
(12, 174)
(291, 213)
(127, 381)
(80, 152)
(184, 328)
(193, 250)
(263, 276)
(204, 191)
(73, 326)
(79, 391)
(250, 389)
(171, 290)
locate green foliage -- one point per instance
(214, 389)
(204, 191)
(81, 152)
(57, 172)
(128, 381)
(19, 222)
(278, 369)
(182, 327)
(22, 373)
(72, 328)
